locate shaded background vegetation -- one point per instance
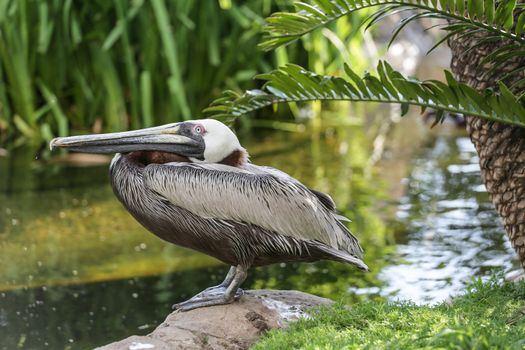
(114, 65)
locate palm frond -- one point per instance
(292, 83)
(495, 20)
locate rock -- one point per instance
(234, 326)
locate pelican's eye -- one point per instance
(198, 130)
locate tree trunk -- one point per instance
(501, 148)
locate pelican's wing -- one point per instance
(324, 198)
(261, 196)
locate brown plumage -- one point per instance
(156, 157)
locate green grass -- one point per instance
(488, 315)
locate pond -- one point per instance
(77, 271)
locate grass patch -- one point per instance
(489, 315)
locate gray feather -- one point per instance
(261, 196)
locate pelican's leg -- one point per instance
(219, 296)
(218, 289)
(227, 280)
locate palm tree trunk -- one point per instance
(501, 148)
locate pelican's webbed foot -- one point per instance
(225, 293)
(209, 299)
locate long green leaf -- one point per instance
(292, 83)
(57, 112)
(174, 82)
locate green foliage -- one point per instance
(292, 83)
(71, 66)
(489, 20)
(493, 19)
(488, 316)
(114, 65)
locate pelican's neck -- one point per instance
(238, 158)
(123, 170)
(114, 161)
(125, 177)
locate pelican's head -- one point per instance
(203, 141)
(218, 140)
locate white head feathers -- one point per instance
(220, 141)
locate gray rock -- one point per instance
(234, 326)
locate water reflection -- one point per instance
(450, 230)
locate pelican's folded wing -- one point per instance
(261, 196)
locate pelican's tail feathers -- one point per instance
(338, 255)
(349, 242)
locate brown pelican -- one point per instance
(191, 184)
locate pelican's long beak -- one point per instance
(166, 138)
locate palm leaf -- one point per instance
(496, 18)
(292, 83)
(491, 20)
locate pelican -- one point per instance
(191, 184)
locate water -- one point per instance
(450, 230)
(78, 271)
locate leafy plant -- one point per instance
(487, 19)
(68, 67)
(292, 83)
(113, 65)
